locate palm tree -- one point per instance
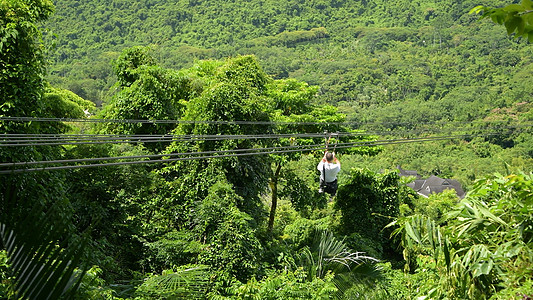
(328, 254)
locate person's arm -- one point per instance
(337, 161)
(323, 161)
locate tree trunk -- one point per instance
(274, 188)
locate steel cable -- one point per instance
(233, 153)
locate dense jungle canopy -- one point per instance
(169, 149)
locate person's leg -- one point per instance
(332, 189)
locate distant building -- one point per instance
(433, 184)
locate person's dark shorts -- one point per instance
(331, 187)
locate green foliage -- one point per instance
(129, 61)
(301, 232)
(116, 202)
(24, 93)
(436, 205)
(328, 255)
(22, 70)
(284, 285)
(43, 258)
(21, 59)
(392, 285)
(517, 18)
(229, 92)
(146, 92)
(303, 197)
(368, 201)
(396, 64)
(5, 278)
(485, 247)
(234, 249)
(92, 286)
(187, 282)
(62, 103)
(171, 250)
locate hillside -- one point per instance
(380, 62)
(361, 52)
(198, 173)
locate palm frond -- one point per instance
(44, 266)
(329, 254)
(187, 283)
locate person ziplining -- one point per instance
(329, 167)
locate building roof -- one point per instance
(435, 184)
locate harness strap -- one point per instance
(323, 179)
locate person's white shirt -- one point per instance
(331, 169)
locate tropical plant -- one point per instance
(329, 255)
(187, 282)
(44, 260)
(485, 247)
(367, 202)
(145, 92)
(282, 285)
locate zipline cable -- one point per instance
(13, 140)
(94, 120)
(345, 144)
(233, 154)
(17, 141)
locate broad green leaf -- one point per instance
(482, 268)
(527, 4)
(430, 233)
(529, 18)
(446, 251)
(486, 213)
(512, 24)
(497, 17)
(413, 233)
(521, 26)
(514, 8)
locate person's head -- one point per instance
(329, 156)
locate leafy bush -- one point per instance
(284, 285)
(367, 202)
(483, 249)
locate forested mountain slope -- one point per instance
(196, 206)
(362, 52)
(385, 62)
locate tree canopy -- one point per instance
(173, 148)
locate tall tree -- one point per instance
(293, 101)
(24, 93)
(146, 92)
(218, 198)
(22, 65)
(35, 224)
(232, 91)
